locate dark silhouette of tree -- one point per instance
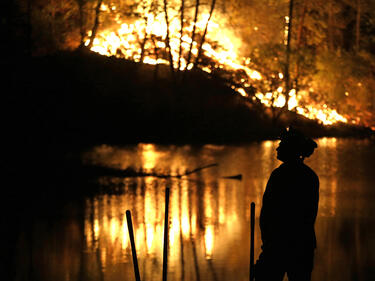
(96, 23)
(147, 9)
(204, 34)
(331, 48)
(168, 45)
(156, 54)
(193, 33)
(181, 32)
(299, 43)
(287, 62)
(81, 21)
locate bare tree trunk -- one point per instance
(156, 58)
(287, 74)
(168, 39)
(181, 33)
(82, 30)
(193, 33)
(96, 23)
(143, 43)
(204, 34)
(299, 41)
(358, 25)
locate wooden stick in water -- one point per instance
(165, 246)
(252, 222)
(132, 243)
(200, 168)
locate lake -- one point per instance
(209, 215)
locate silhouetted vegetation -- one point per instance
(87, 98)
(331, 47)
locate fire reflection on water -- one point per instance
(201, 210)
(149, 156)
(329, 175)
(106, 228)
(209, 216)
(204, 212)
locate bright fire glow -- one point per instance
(124, 39)
(209, 241)
(149, 156)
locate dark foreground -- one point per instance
(83, 97)
(70, 225)
(60, 106)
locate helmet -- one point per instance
(303, 146)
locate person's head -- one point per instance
(294, 146)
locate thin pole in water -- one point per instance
(252, 222)
(166, 223)
(132, 243)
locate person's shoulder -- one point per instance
(279, 170)
(310, 172)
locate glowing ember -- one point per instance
(125, 40)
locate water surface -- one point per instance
(209, 215)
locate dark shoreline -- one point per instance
(63, 104)
(82, 98)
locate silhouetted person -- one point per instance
(289, 209)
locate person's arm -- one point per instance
(265, 212)
(315, 199)
(311, 204)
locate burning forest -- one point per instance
(296, 56)
(109, 104)
(202, 43)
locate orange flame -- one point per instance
(123, 40)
